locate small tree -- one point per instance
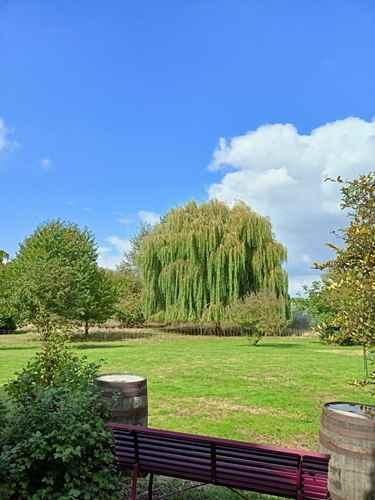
(132, 259)
(354, 266)
(99, 303)
(129, 308)
(260, 315)
(7, 312)
(55, 278)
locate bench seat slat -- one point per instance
(274, 458)
(259, 487)
(274, 479)
(267, 461)
(178, 470)
(269, 475)
(178, 450)
(170, 457)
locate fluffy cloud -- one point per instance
(151, 218)
(110, 255)
(281, 174)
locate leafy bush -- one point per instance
(54, 443)
(129, 308)
(331, 334)
(7, 324)
(129, 313)
(259, 314)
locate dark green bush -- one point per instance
(54, 443)
(7, 324)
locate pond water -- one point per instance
(356, 408)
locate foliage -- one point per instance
(202, 258)
(100, 303)
(132, 258)
(354, 265)
(7, 312)
(129, 308)
(54, 365)
(55, 444)
(259, 314)
(3, 257)
(55, 277)
(7, 324)
(321, 303)
(318, 301)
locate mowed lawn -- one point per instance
(271, 393)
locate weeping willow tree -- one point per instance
(202, 258)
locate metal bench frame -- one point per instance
(236, 465)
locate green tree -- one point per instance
(201, 258)
(3, 257)
(131, 260)
(129, 308)
(55, 278)
(99, 301)
(7, 312)
(354, 265)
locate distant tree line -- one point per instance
(201, 263)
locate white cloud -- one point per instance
(281, 174)
(297, 282)
(3, 135)
(151, 218)
(125, 220)
(119, 244)
(111, 254)
(46, 163)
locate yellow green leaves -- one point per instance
(201, 258)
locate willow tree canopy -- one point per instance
(201, 258)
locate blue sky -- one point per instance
(112, 112)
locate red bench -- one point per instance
(233, 464)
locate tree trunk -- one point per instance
(87, 327)
(365, 361)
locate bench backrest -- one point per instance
(264, 469)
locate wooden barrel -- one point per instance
(347, 433)
(127, 396)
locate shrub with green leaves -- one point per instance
(54, 443)
(129, 308)
(7, 312)
(259, 315)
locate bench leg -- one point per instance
(133, 493)
(150, 484)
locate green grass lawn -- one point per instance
(271, 393)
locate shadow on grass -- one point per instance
(99, 346)
(278, 345)
(19, 348)
(109, 336)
